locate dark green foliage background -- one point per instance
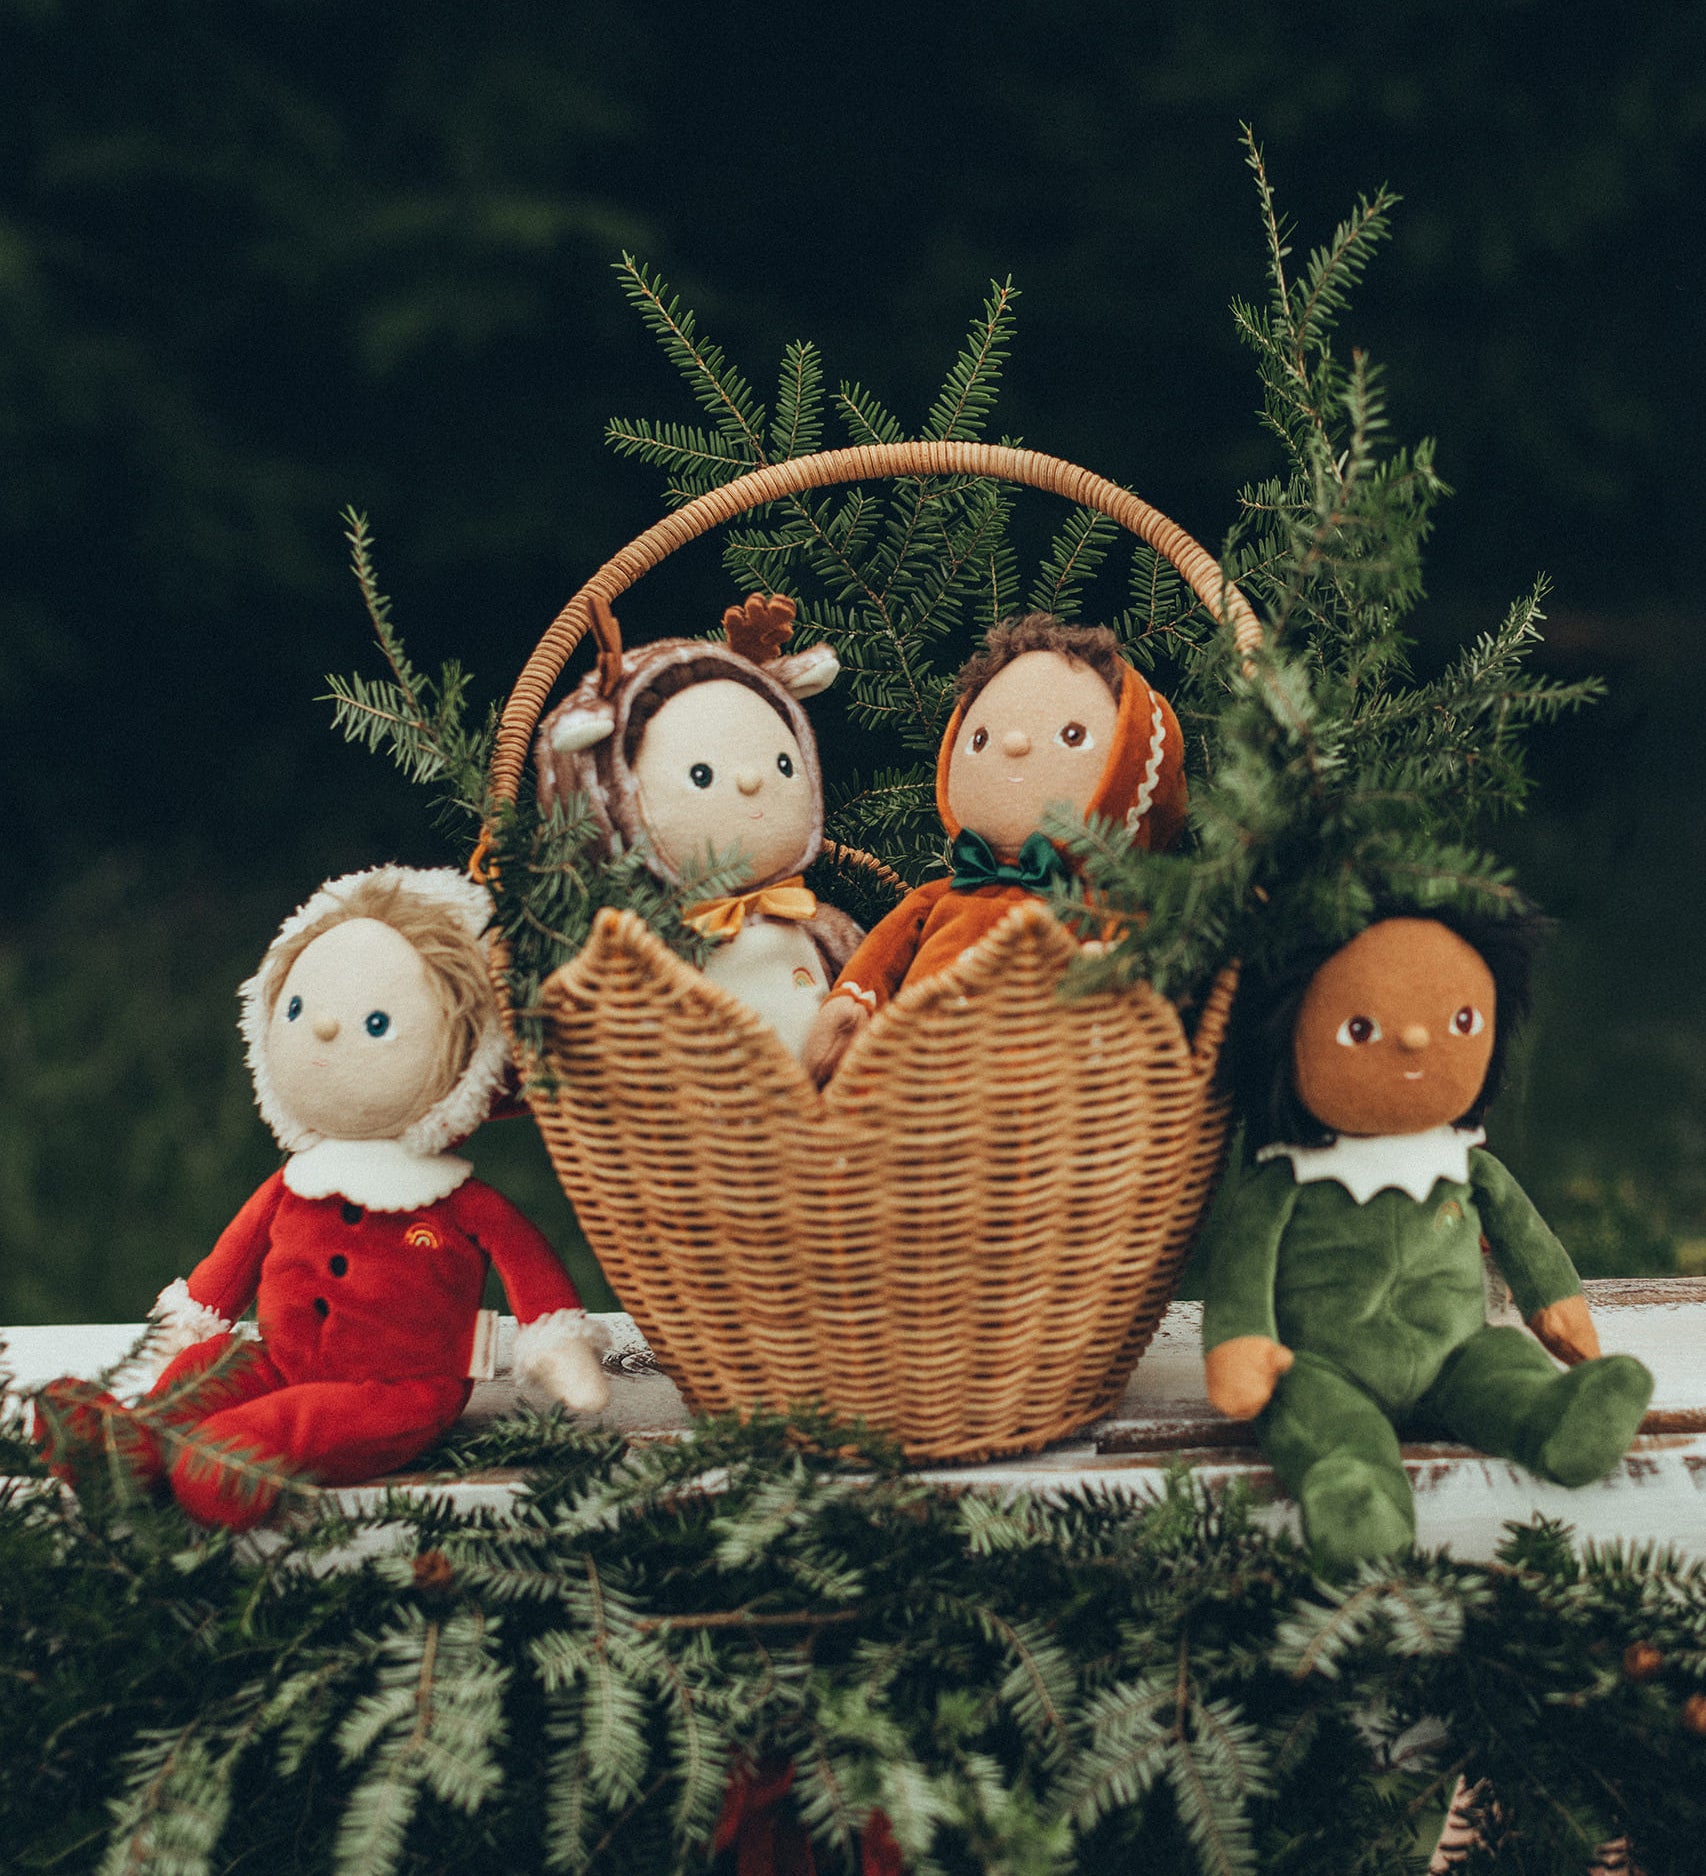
(260, 261)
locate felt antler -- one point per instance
(759, 629)
(609, 636)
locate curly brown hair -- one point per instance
(1093, 645)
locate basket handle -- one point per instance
(866, 463)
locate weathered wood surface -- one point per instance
(1463, 1498)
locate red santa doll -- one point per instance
(374, 1042)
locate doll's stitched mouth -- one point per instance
(1412, 1074)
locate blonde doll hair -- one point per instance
(455, 963)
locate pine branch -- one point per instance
(973, 383)
(719, 390)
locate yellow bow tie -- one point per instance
(722, 918)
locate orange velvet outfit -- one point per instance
(1144, 774)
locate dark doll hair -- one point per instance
(673, 679)
(1256, 1062)
(1093, 645)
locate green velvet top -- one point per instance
(1384, 1290)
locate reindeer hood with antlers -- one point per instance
(590, 741)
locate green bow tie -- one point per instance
(975, 864)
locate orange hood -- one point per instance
(1143, 776)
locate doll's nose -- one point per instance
(748, 781)
(1413, 1038)
(1015, 743)
(325, 1027)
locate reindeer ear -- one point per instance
(579, 726)
(806, 672)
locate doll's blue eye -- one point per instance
(700, 775)
(377, 1022)
(293, 1009)
(785, 763)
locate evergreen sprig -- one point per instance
(570, 1681)
(1327, 781)
(1335, 783)
(420, 721)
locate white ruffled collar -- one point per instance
(382, 1175)
(1365, 1164)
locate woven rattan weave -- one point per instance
(970, 1238)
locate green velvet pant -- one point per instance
(1334, 1446)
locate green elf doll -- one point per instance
(1345, 1297)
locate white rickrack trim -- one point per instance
(1152, 768)
(851, 989)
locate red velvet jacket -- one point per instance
(347, 1294)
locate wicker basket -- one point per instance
(970, 1237)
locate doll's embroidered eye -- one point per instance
(1468, 1021)
(1074, 736)
(700, 775)
(979, 738)
(293, 1009)
(377, 1022)
(785, 763)
(1355, 1030)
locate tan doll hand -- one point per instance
(1242, 1374)
(833, 1029)
(1565, 1329)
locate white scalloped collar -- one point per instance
(382, 1175)
(1365, 1164)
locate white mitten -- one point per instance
(557, 1359)
(177, 1321)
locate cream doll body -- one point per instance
(722, 777)
(1344, 1295)
(374, 1043)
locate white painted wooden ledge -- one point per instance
(1463, 1498)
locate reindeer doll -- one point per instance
(696, 751)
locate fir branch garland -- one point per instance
(1052, 1684)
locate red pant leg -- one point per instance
(97, 1429)
(249, 1372)
(333, 1432)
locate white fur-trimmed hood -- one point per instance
(457, 1113)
